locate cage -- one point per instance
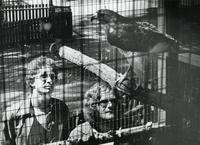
(150, 94)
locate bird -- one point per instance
(138, 37)
(132, 34)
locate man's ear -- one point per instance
(30, 83)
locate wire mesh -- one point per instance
(23, 35)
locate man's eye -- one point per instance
(44, 75)
(52, 76)
(104, 102)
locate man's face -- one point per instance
(44, 81)
(106, 104)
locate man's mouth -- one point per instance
(48, 87)
(109, 111)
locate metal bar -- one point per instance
(105, 137)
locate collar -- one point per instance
(25, 107)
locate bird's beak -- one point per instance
(94, 17)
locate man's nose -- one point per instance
(49, 80)
(110, 104)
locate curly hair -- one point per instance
(37, 62)
(91, 98)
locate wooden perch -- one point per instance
(119, 133)
(105, 72)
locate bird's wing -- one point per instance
(154, 29)
(148, 27)
(155, 40)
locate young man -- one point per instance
(39, 118)
(98, 115)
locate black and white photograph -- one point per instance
(99, 72)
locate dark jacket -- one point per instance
(20, 126)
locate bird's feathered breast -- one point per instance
(120, 34)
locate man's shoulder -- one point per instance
(11, 110)
(59, 102)
(16, 108)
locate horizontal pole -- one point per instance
(118, 133)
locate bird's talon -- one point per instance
(148, 125)
(119, 132)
